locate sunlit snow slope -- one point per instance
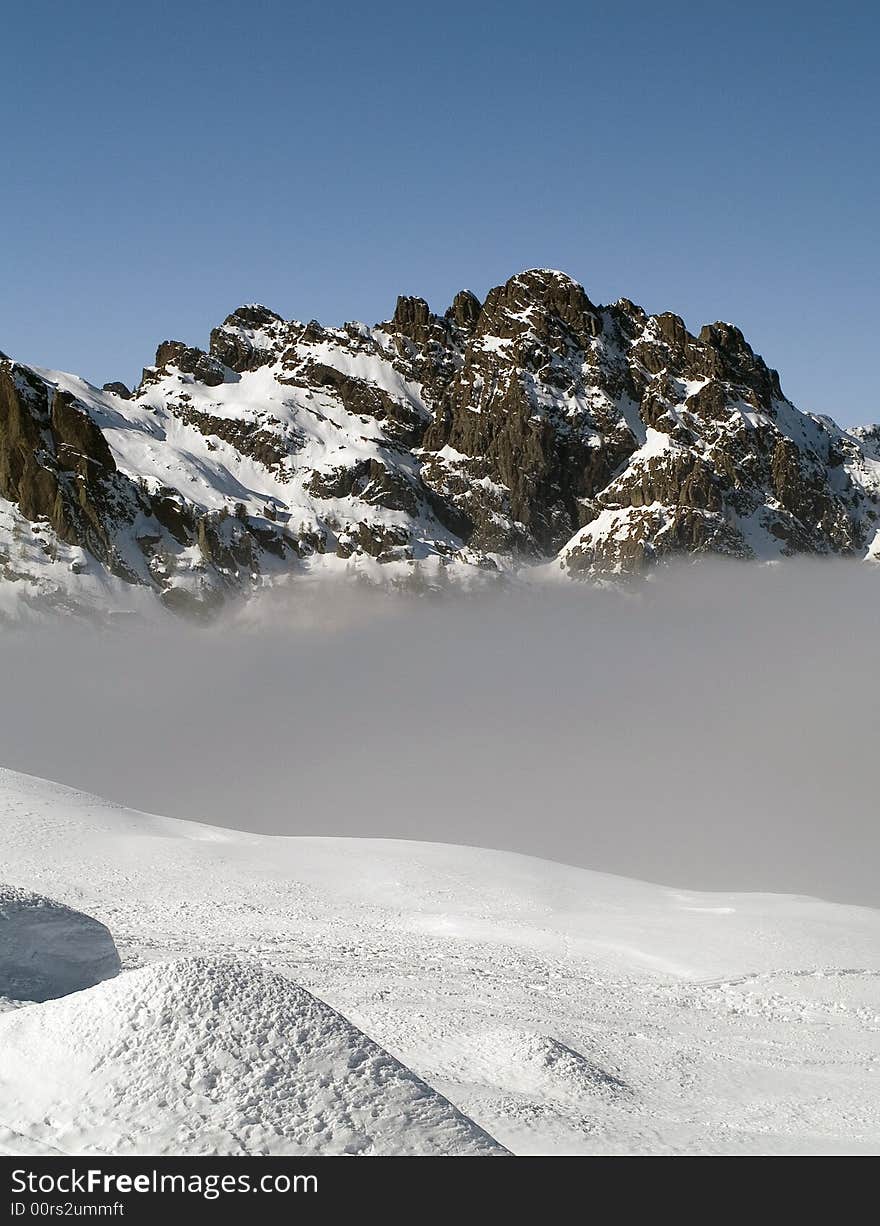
(212, 1056)
(563, 1011)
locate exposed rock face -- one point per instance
(247, 339)
(59, 472)
(518, 413)
(118, 389)
(202, 366)
(54, 462)
(727, 464)
(534, 426)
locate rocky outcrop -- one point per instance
(55, 464)
(57, 468)
(246, 339)
(405, 422)
(269, 447)
(204, 367)
(118, 389)
(534, 426)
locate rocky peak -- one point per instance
(535, 426)
(727, 354)
(465, 310)
(414, 320)
(410, 313)
(204, 367)
(248, 338)
(252, 315)
(541, 301)
(671, 328)
(118, 389)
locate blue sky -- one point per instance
(165, 162)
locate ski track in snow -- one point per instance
(563, 1011)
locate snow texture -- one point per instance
(207, 1056)
(563, 1011)
(47, 949)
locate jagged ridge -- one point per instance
(535, 427)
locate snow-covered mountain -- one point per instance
(532, 428)
(559, 1010)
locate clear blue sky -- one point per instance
(163, 163)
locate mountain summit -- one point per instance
(534, 427)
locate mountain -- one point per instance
(534, 428)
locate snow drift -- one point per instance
(48, 949)
(563, 1011)
(211, 1056)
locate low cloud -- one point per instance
(716, 728)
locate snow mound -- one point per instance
(48, 949)
(212, 1056)
(535, 1066)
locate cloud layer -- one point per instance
(715, 728)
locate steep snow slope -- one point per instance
(209, 1056)
(534, 426)
(564, 1011)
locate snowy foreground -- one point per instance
(371, 996)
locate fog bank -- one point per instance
(716, 728)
